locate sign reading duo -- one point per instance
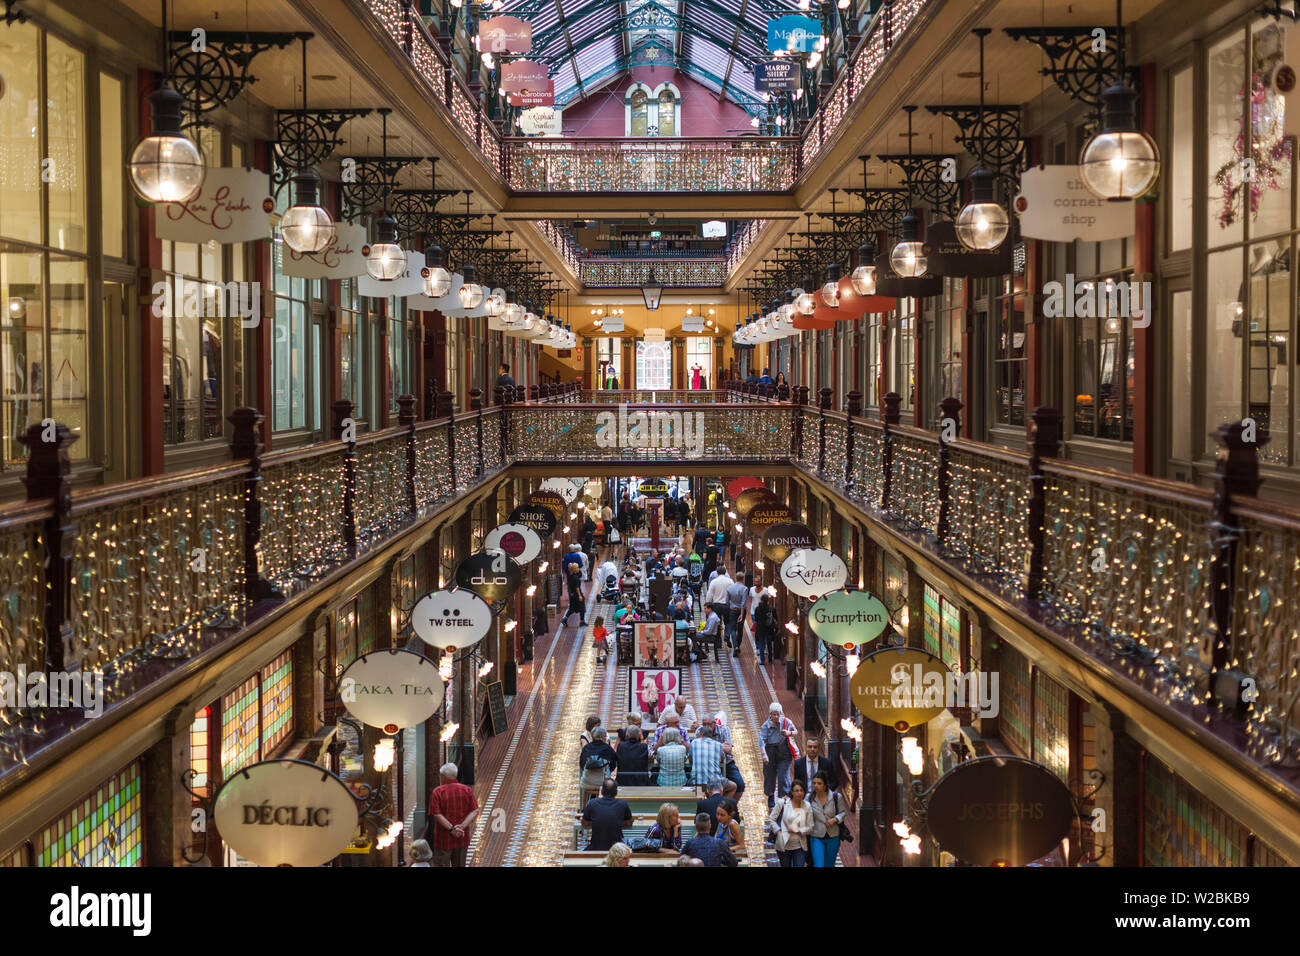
(492, 575)
(391, 689)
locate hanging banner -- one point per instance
(535, 518)
(848, 619)
(492, 575)
(793, 33)
(519, 541)
(522, 76)
(999, 811)
(342, 258)
(764, 516)
(563, 487)
(653, 487)
(392, 689)
(780, 539)
(946, 256)
(505, 34)
(653, 644)
(900, 687)
(809, 323)
(407, 284)
(894, 286)
(1055, 205)
(453, 618)
(812, 572)
(856, 305)
(541, 95)
(285, 813)
(232, 206)
(541, 121)
(751, 498)
(773, 75)
(740, 484)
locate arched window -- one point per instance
(640, 110)
(667, 113)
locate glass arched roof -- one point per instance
(587, 44)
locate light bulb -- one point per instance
(384, 754)
(1120, 161)
(305, 226)
(831, 294)
(385, 259)
(471, 295)
(514, 312)
(785, 311)
(437, 282)
(908, 259)
(817, 668)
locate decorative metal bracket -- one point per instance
(11, 15)
(376, 177)
(924, 172)
(306, 138)
(1075, 67)
(883, 210)
(214, 74)
(1275, 11)
(416, 210)
(996, 139)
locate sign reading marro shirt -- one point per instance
(233, 206)
(771, 75)
(391, 689)
(342, 258)
(1055, 205)
(999, 811)
(505, 35)
(285, 813)
(812, 572)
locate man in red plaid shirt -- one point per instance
(452, 809)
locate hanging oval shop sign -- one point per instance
(1000, 811)
(741, 484)
(751, 498)
(653, 487)
(848, 619)
(900, 687)
(286, 813)
(454, 618)
(391, 689)
(564, 487)
(780, 539)
(946, 256)
(895, 286)
(536, 518)
(552, 501)
(517, 540)
(763, 516)
(812, 572)
(492, 575)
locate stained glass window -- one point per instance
(105, 829)
(199, 756)
(1052, 725)
(345, 635)
(14, 858)
(932, 625)
(277, 702)
(240, 733)
(1013, 723)
(1182, 827)
(639, 113)
(667, 113)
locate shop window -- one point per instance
(942, 630)
(351, 319)
(1014, 706)
(652, 112)
(699, 361)
(609, 360)
(1103, 372)
(1052, 725)
(654, 365)
(667, 113)
(105, 829)
(639, 108)
(296, 345)
(1179, 176)
(397, 352)
(902, 353)
(1009, 350)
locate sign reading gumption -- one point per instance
(233, 206)
(286, 813)
(780, 539)
(1055, 205)
(535, 517)
(812, 572)
(451, 619)
(848, 619)
(519, 541)
(1000, 811)
(900, 687)
(341, 259)
(391, 689)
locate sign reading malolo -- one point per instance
(454, 618)
(1000, 811)
(900, 687)
(794, 33)
(232, 206)
(391, 689)
(1055, 205)
(505, 35)
(812, 572)
(772, 75)
(848, 619)
(286, 813)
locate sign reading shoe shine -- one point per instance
(848, 619)
(536, 518)
(812, 572)
(391, 689)
(453, 618)
(286, 813)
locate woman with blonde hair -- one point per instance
(667, 829)
(620, 854)
(421, 854)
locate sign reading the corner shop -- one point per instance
(391, 689)
(232, 206)
(780, 539)
(1055, 205)
(848, 619)
(535, 517)
(812, 572)
(1000, 811)
(454, 618)
(286, 813)
(900, 687)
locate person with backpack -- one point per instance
(765, 627)
(597, 761)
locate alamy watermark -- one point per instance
(1106, 299)
(192, 299)
(38, 690)
(624, 429)
(914, 686)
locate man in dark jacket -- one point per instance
(813, 759)
(505, 378)
(702, 539)
(709, 805)
(704, 847)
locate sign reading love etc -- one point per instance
(342, 258)
(900, 687)
(1000, 811)
(812, 572)
(286, 813)
(780, 539)
(454, 618)
(848, 619)
(391, 689)
(517, 540)
(233, 206)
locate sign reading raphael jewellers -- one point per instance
(342, 258)
(999, 811)
(848, 619)
(812, 572)
(780, 539)
(454, 618)
(541, 121)
(232, 206)
(391, 689)
(900, 687)
(286, 813)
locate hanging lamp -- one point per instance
(385, 259)
(305, 226)
(908, 256)
(982, 224)
(166, 166)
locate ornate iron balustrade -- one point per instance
(1169, 585)
(671, 165)
(672, 273)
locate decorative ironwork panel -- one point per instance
(432, 466)
(868, 479)
(673, 273)
(989, 507)
(836, 450)
(668, 165)
(381, 486)
(914, 495)
(492, 441)
(22, 593)
(302, 518)
(1266, 624)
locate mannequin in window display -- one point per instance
(697, 377)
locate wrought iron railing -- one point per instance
(633, 273)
